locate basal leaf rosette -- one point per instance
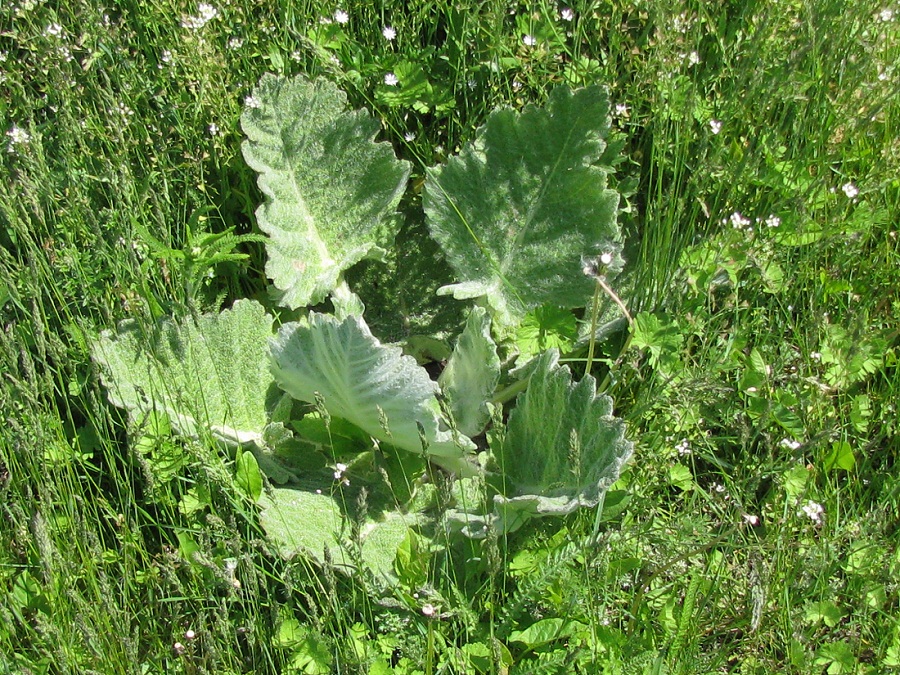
(518, 211)
(562, 449)
(374, 386)
(330, 189)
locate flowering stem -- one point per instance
(595, 312)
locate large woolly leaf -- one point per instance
(207, 375)
(472, 374)
(307, 522)
(330, 190)
(563, 447)
(374, 386)
(211, 373)
(518, 210)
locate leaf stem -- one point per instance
(510, 392)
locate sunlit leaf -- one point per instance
(520, 208)
(330, 190)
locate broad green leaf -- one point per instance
(824, 611)
(247, 474)
(563, 448)
(546, 327)
(307, 522)
(377, 388)
(302, 521)
(471, 375)
(547, 630)
(840, 457)
(330, 189)
(518, 210)
(209, 374)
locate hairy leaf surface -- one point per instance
(209, 374)
(563, 448)
(306, 522)
(330, 189)
(517, 210)
(472, 373)
(374, 386)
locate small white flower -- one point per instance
(529, 40)
(235, 43)
(715, 126)
(605, 258)
(17, 136)
(621, 110)
(166, 56)
(814, 511)
(178, 648)
(54, 30)
(816, 356)
(681, 23)
(341, 17)
(391, 80)
(738, 221)
(789, 443)
(693, 58)
(886, 15)
(566, 14)
(850, 190)
(206, 11)
(409, 137)
(340, 469)
(683, 448)
(213, 129)
(428, 610)
(252, 102)
(189, 634)
(205, 14)
(750, 519)
(389, 33)
(773, 221)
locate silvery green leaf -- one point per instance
(330, 189)
(519, 210)
(375, 387)
(471, 374)
(209, 374)
(306, 522)
(563, 447)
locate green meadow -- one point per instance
(670, 448)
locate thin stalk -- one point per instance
(595, 313)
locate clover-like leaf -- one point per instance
(374, 386)
(563, 447)
(330, 189)
(472, 373)
(520, 208)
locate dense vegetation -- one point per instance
(755, 151)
